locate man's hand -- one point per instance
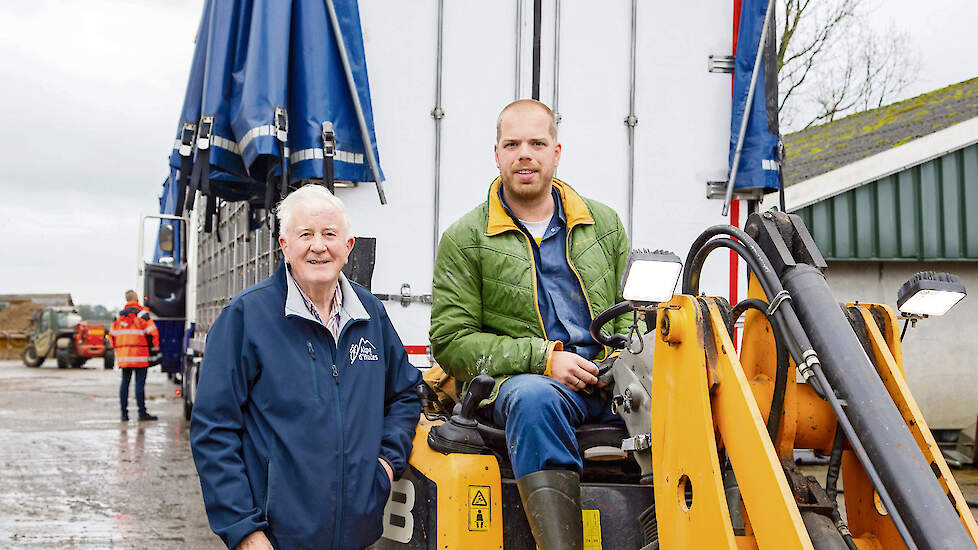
(572, 370)
(255, 541)
(390, 472)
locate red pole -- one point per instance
(734, 204)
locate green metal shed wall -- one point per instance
(927, 212)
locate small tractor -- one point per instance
(60, 332)
(705, 459)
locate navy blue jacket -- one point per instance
(287, 429)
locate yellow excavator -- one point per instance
(706, 458)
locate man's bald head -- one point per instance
(521, 105)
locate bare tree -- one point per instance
(831, 63)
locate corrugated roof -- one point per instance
(927, 212)
(820, 149)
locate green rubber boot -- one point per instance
(552, 501)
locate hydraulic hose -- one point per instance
(832, 490)
(742, 307)
(797, 342)
(753, 252)
(781, 376)
(615, 341)
(868, 466)
(835, 464)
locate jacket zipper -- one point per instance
(587, 299)
(342, 445)
(312, 365)
(536, 298)
(268, 484)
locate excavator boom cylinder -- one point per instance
(930, 518)
(909, 479)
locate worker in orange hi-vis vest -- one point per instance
(137, 346)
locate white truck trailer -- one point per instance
(642, 93)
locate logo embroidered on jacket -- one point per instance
(363, 350)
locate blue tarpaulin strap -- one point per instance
(209, 211)
(184, 184)
(192, 187)
(269, 203)
(759, 163)
(185, 149)
(329, 154)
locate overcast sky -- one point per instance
(89, 101)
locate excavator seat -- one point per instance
(459, 490)
(472, 430)
(597, 442)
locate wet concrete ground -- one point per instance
(72, 476)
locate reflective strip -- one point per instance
(131, 359)
(131, 331)
(236, 147)
(768, 164)
(218, 141)
(266, 130)
(269, 130)
(316, 153)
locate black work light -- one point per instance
(651, 277)
(930, 293)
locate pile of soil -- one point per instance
(17, 316)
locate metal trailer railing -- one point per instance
(230, 259)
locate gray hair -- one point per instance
(306, 193)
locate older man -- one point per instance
(307, 403)
(517, 282)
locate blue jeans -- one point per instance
(540, 416)
(127, 373)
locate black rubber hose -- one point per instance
(863, 456)
(781, 373)
(835, 464)
(797, 341)
(842, 528)
(742, 307)
(752, 254)
(748, 249)
(691, 275)
(770, 284)
(616, 341)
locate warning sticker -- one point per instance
(479, 499)
(592, 529)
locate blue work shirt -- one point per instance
(563, 306)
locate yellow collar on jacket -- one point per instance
(499, 221)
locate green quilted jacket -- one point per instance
(485, 317)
